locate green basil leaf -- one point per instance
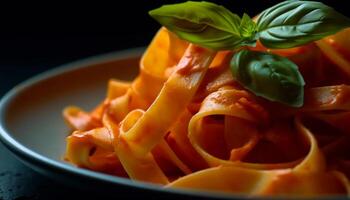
(270, 76)
(294, 23)
(203, 23)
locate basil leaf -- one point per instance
(270, 76)
(294, 23)
(203, 23)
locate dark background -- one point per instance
(37, 36)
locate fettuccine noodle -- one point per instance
(184, 122)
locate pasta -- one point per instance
(184, 122)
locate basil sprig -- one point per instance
(288, 24)
(294, 23)
(273, 77)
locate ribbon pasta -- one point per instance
(184, 122)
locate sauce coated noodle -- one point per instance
(185, 123)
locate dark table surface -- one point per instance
(17, 181)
